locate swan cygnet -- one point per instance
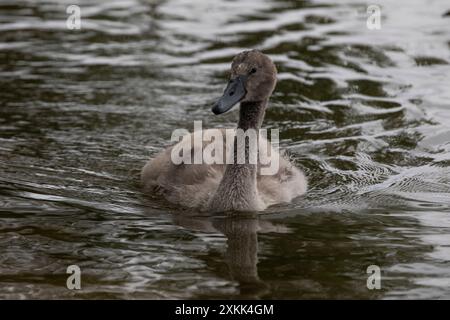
(236, 186)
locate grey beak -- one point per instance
(234, 92)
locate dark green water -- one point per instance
(366, 114)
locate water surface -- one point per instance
(365, 113)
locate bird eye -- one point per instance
(253, 70)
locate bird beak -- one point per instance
(234, 92)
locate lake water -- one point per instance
(365, 113)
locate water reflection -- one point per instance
(241, 254)
(291, 247)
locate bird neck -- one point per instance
(238, 190)
(251, 114)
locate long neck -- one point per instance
(251, 114)
(237, 190)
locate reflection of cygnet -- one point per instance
(242, 246)
(242, 251)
